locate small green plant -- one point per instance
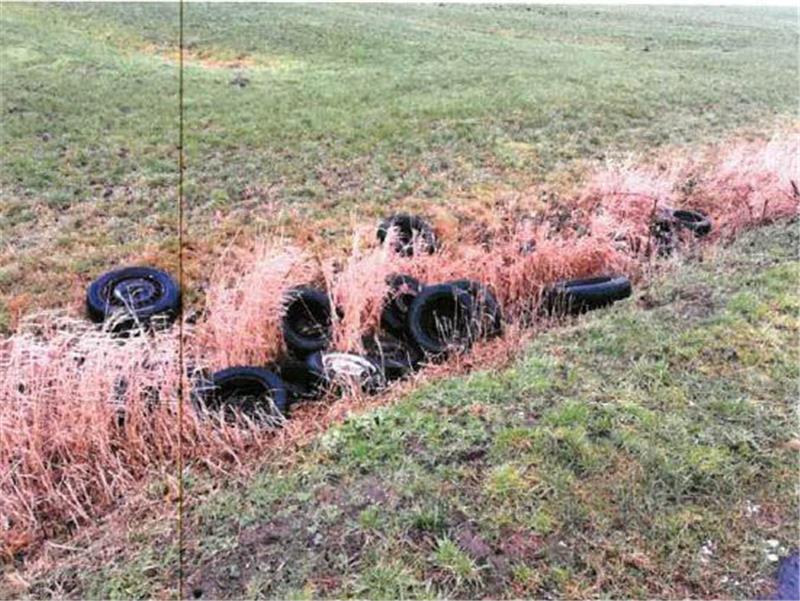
(459, 566)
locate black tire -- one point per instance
(413, 233)
(487, 316)
(307, 321)
(301, 382)
(133, 296)
(394, 357)
(693, 221)
(246, 389)
(440, 319)
(370, 379)
(578, 296)
(403, 289)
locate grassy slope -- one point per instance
(88, 172)
(639, 452)
(345, 109)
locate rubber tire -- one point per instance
(692, 220)
(257, 376)
(488, 316)
(167, 304)
(420, 313)
(581, 295)
(407, 226)
(300, 381)
(315, 303)
(395, 310)
(395, 358)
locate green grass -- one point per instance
(346, 109)
(638, 452)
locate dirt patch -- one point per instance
(471, 542)
(227, 575)
(265, 534)
(208, 59)
(696, 302)
(521, 545)
(200, 58)
(692, 303)
(472, 454)
(377, 493)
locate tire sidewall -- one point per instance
(168, 303)
(266, 378)
(429, 294)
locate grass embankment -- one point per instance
(647, 450)
(297, 117)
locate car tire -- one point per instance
(403, 289)
(394, 357)
(578, 296)
(307, 320)
(692, 220)
(487, 316)
(301, 382)
(413, 233)
(346, 369)
(242, 389)
(439, 319)
(133, 296)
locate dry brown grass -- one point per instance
(240, 324)
(66, 457)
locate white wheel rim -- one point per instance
(347, 366)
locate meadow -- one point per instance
(646, 450)
(304, 120)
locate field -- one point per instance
(308, 120)
(646, 450)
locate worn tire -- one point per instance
(413, 233)
(442, 304)
(487, 315)
(307, 320)
(403, 289)
(693, 221)
(578, 296)
(132, 296)
(300, 381)
(240, 387)
(395, 358)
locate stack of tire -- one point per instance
(420, 322)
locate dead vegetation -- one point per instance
(86, 417)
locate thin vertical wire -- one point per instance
(180, 280)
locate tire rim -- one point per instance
(349, 367)
(137, 293)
